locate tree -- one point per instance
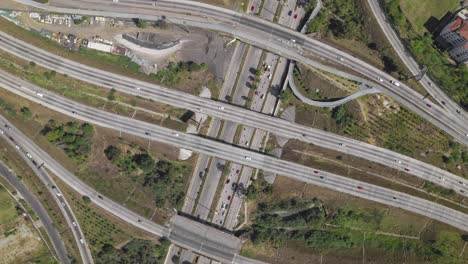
(341, 116)
(140, 23)
(144, 161)
(111, 95)
(27, 114)
(86, 199)
(112, 153)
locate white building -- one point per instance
(100, 46)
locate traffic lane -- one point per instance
(41, 213)
(323, 139)
(299, 42)
(411, 63)
(381, 151)
(271, 164)
(195, 184)
(31, 160)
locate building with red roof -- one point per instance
(454, 37)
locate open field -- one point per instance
(419, 11)
(384, 234)
(100, 227)
(19, 241)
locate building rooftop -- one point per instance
(463, 30)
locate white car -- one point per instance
(1, 131)
(81, 241)
(29, 155)
(269, 76)
(40, 94)
(379, 79)
(248, 158)
(398, 161)
(175, 134)
(397, 84)
(221, 108)
(17, 147)
(74, 223)
(340, 59)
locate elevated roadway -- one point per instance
(235, 114)
(273, 37)
(215, 149)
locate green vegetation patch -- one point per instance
(74, 138)
(324, 230)
(452, 78)
(135, 251)
(164, 178)
(418, 12)
(7, 207)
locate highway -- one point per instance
(235, 114)
(215, 149)
(274, 38)
(62, 203)
(39, 210)
(405, 55)
(206, 243)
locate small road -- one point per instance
(39, 210)
(305, 100)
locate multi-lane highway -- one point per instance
(272, 37)
(215, 149)
(56, 193)
(206, 243)
(235, 114)
(39, 210)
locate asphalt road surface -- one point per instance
(62, 203)
(215, 149)
(435, 91)
(235, 114)
(275, 38)
(36, 206)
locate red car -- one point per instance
(406, 169)
(315, 171)
(229, 198)
(360, 188)
(252, 8)
(295, 16)
(428, 105)
(237, 171)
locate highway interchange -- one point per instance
(249, 158)
(235, 114)
(224, 151)
(274, 38)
